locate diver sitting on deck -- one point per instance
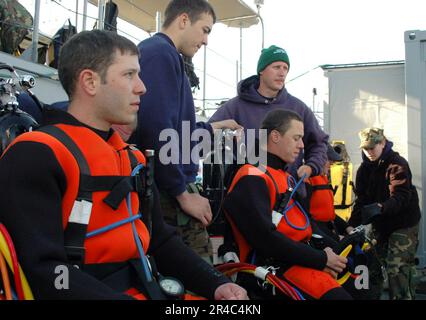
(267, 235)
(70, 193)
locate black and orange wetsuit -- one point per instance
(39, 181)
(260, 231)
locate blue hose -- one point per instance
(290, 181)
(142, 256)
(112, 226)
(299, 294)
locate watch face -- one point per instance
(171, 286)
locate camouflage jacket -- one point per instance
(15, 21)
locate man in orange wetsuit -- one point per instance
(269, 235)
(69, 197)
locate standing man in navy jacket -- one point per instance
(168, 104)
(261, 93)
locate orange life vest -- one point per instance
(321, 201)
(313, 282)
(275, 179)
(105, 158)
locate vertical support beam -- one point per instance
(241, 52)
(101, 14)
(158, 21)
(415, 82)
(261, 22)
(34, 52)
(85, 15)
(237, 67)
(76, 14)
(204, 80)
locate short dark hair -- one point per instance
(94, 50)
(279, 120)
(194, 9)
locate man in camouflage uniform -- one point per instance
(395, 261)
(15, 21)
(387, 198)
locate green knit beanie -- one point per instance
(271, 54)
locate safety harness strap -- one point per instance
(146, 194)
(281, 199)
(322, 187)
(119, 187)
(76, 229)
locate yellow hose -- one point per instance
(346, 276)
(365, 246)
(345, 252)
(5, 278)
(4, 249)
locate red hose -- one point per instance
(281, 284)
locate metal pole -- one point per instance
(241, 51)
(101, 14)
(34, 52)
(204, 79)
(158, 21)
(76, 14)
(84, 14)
(263, 26)
(237, 67)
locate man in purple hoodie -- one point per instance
(261, 93)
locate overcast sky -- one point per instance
(314, 32)
(323, 32)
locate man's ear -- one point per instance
(89, 81)
(184, 20)
(275, 136)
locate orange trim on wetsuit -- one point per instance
(322, 201)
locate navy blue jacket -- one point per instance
(167, 104)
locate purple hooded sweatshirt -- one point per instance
(249, 108)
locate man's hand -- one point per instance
(330, 272)
(305, 169)
(335, 263)
(349, 229)
(195, 206)
(226, 124)
(230, 291)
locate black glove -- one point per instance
(370, 213)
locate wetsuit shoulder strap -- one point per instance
(76, 229)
